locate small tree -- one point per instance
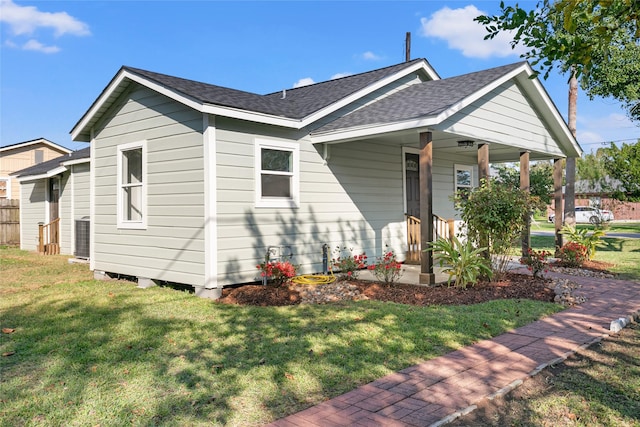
(493, 218)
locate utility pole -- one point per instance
(407, 47)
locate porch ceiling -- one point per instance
(445, 142)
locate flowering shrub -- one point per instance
(573, 254)
(387, 268)
(536, 262)
(350, 264)
(278, 272)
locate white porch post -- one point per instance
(525, 185)
(426, 207)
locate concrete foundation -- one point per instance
(212, 293)
(145, 282)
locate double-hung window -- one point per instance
(5, 187)
(132, 185)
(463, 178)
(277, 174)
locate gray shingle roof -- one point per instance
(420, 100)
(49, 165)
(298, 103)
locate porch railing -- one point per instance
(444, 228)
(49, 237)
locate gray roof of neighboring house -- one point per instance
(298, 102)
(420, 100)
(49, 165)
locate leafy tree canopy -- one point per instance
(614, 170)
(598, 40)
(540, 180)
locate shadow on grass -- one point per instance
(107, 353)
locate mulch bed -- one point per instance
(511, 286)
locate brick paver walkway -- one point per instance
(439, 390)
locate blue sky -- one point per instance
(57, 56)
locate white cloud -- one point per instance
(340, 75)
(306, 81)
(461, 32)
(27, 19)
(370, 56)
(39, 47)
(587, 137)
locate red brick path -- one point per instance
(436, 391)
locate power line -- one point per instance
(608, 142)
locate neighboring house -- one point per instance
(193, 183)
(588, 194)
(55, 194)
(18, 156)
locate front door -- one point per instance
(54, 197)
(412, 178)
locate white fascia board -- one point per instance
(49, 174)
(361, 132)
(36, 141)
(369, 89)
(76, 161)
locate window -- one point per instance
(132, 191)
(277, 174)
(5, 187)
(463, 178)
(38, 156)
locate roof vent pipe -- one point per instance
(284, 94)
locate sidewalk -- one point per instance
(439, 390)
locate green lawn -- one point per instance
(541, 224)
(623, 253)
(107, 353)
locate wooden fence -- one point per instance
(9, 222)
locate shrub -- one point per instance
(582, 236)
(387, 269)
(277, 272)
(536, 261)
(348, 264)
(573, 254)
(463, 262)
(494, 218)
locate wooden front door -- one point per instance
(412, 178)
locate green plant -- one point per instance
(536, 261)
(582, 236)
(494, 217)
(387, 268)
(348, 264)
(573, 254)
(462, 261)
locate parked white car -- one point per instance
(589, 215)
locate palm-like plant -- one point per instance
(460, 261)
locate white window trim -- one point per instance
(457, 168)
(7, 179)
(122, 223)
(277, 202)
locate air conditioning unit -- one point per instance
(82, 237)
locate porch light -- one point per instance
(466, 143)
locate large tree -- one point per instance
(595, 40)
(613, 170)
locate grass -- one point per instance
(599, 386)
(541, 224)
(623, 253)
(86, 352)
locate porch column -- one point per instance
(483, 162)
(557, 197)
(426, 207)
(525, 186)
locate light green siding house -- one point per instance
(192, 183)
(55, 194)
